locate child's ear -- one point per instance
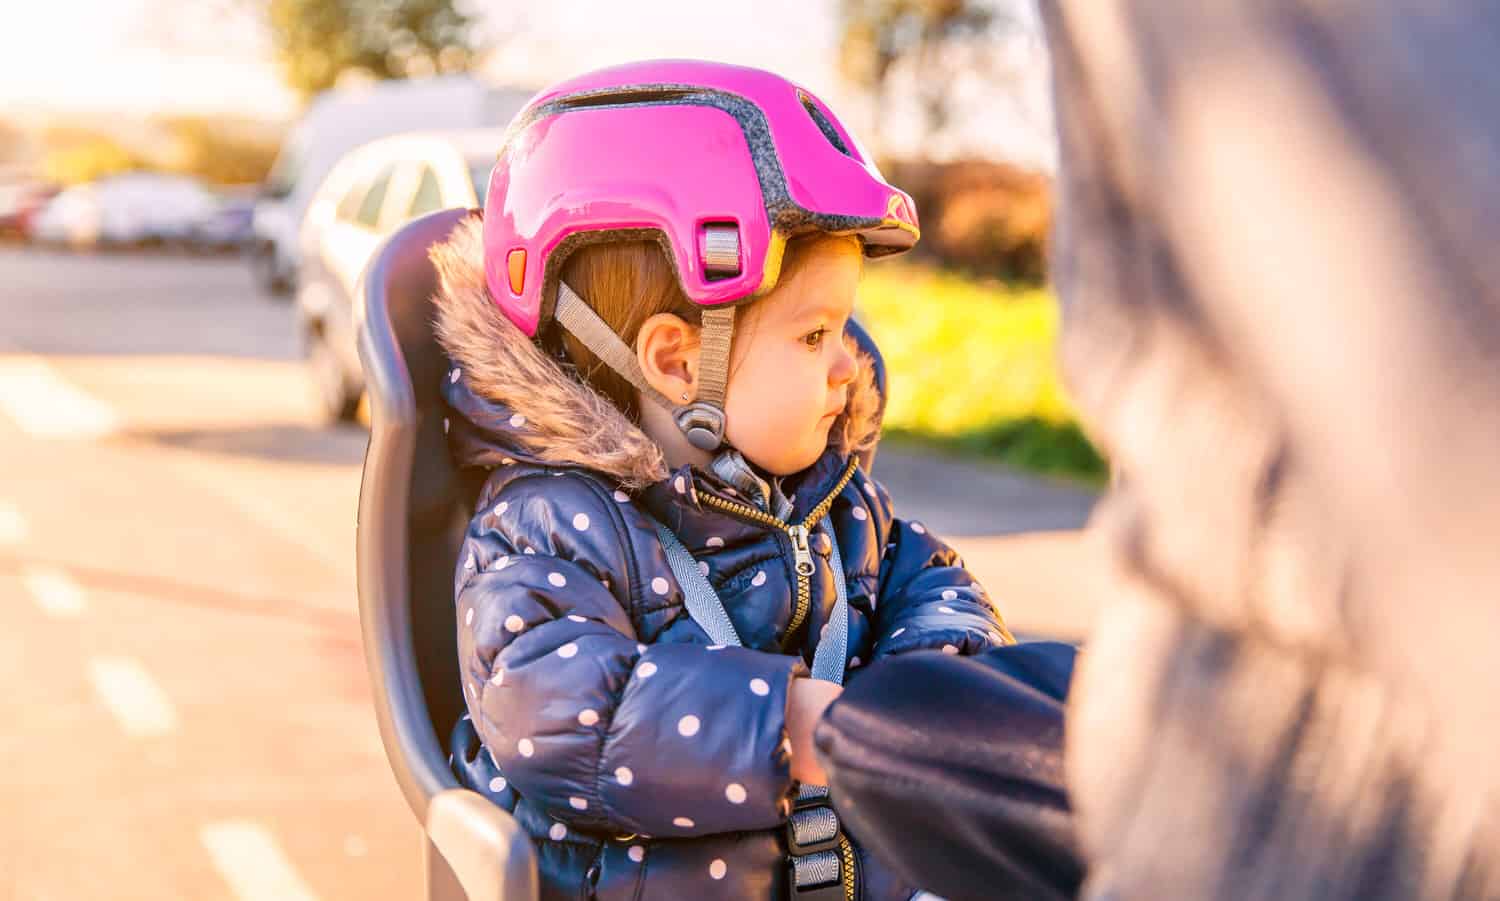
(667, 349)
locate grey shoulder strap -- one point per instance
(707, 609)
(702, 601)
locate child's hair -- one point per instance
(627, 283)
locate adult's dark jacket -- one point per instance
(951, 769)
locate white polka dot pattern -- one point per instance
(760, 687)
(646, 670)
(581, 522)
(718, 869)
(568, 651)
(578, 803)
(687, 727)
(682, 822)
(498, 784)
(557, 580)
(525, 748)
(660, 585)
(735, 792)
(558, 832)
(636, 853)
(588, 717)
(515, 624)
(624, 776)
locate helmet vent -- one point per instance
(823, 124)
(624, 97)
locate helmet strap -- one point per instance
(702, 420)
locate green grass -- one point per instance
(973, 368)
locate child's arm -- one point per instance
(604, 733)
(927, 600)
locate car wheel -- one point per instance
(337, 402)
(268, 277)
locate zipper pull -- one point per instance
(802, 552)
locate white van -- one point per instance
(338, 121)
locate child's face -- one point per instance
(790, 371)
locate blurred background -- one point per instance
(189, 190)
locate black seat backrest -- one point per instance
(413, 509)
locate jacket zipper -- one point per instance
(851, 869)
(798, 533)
(803, 565)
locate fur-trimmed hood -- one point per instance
(519, 404)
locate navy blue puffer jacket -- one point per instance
(647, 762)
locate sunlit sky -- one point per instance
(212, 56)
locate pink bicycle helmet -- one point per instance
(719, 164)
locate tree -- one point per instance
(319, 41)
(78, 154)
(220, 149)
(935, 41)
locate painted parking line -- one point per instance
(54, 591)
(133, 697)
(46, 405)
(252, 863)
(12, 524)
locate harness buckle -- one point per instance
(812, 830)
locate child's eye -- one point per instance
(814, 339)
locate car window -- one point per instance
(348, 206)
(480, 173)
(369, 208)
(429, 196)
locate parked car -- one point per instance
(126, 210)
(338, 121)
(20, 201)
(229, 227)
(71, 218)
(368, 194)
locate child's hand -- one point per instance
(808, 698)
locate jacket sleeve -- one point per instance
(603, 732)
(952, 771)
(927, 600)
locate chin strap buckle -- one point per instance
(703, 424)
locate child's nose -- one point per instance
(845, 367)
